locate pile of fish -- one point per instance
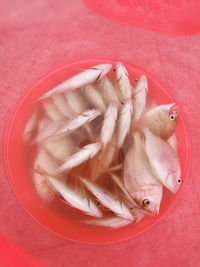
(104, 147)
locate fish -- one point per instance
(87, 76)
(94, 98)
(113, 222)
(62, 105)
(45, 191)
(139, 180)
(161, 120)
(164, 161)
(133, 206)
(109, 123)
(100, 164)
(60, 147)
(103, 159)
(51, 110)
(31, 126)
(78, 105)
(124, 122)
(45, 161)
(74, 198)
(86, 153)
(123, 82)
(140, 94)
(76, 102)
(108, 91)
(47, 128)
(79, 121)
(120, 184)
(108, 200)
(108, 155)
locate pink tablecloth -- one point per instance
(37, 35)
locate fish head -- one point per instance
(103, 68)
(120, 70)
(161, 120)
(168, 116)
(142, 84)
(149, 200)
(173, 182)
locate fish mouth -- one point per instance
(151, 212)
(174, 190)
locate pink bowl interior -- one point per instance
(18, 168)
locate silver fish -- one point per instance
(124, 122)
(62, 105)
(75, 199)
(123, 81)
(94, 98)
(78, 105)
(133, 207)
(79, 121)
(108, 200)
(86, 153)
(85, 77)
(109, 123)
(52, 112)
(140, 95)
(108, 91)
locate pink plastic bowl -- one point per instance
(174, 17)
(18, 170)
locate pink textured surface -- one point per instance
(37, 35)
(174, 17)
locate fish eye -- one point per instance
(179, 180)
(131, 208)
(122, 103)
(146, 202)
(98, 204)
(172, 117)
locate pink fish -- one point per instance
(139, 180)
(161, 120)
(164, 161)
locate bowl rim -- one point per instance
(18, 105)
